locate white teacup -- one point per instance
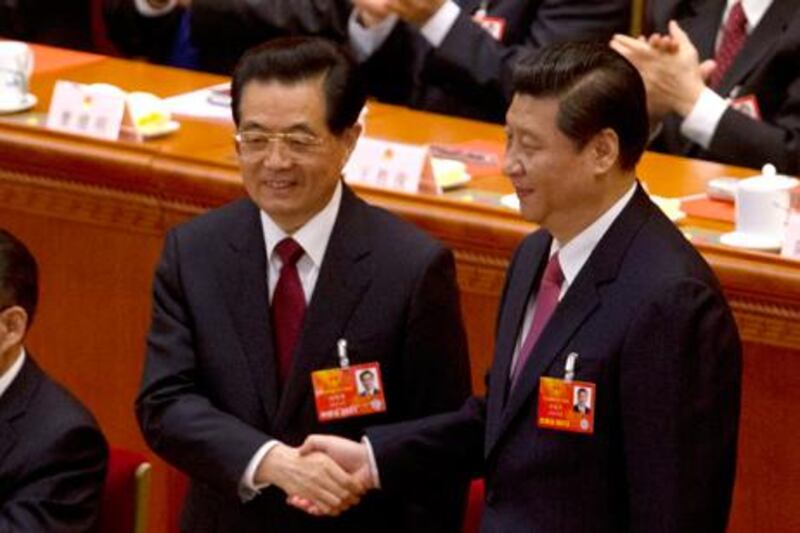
(762, 206)
(16, 66)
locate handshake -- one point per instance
(324, 477)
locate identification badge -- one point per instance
(348, 391)
(566, 405)
(747, 105)
(494, 26)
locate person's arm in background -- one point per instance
(676, 85)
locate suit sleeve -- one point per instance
(471, 55)
(680, 379)
(62, 491)
(177, 418)
(137, 35)
(262, 19)
(436, 378)
(742, 140)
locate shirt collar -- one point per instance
(8, 378)
(313, 236)
(753, 9)
(573, 255)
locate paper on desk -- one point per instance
(196, 104)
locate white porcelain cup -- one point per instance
(16, 66)
(762, 205)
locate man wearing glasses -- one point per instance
(252, 298)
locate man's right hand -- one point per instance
(314, 477)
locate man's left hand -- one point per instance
(670, 67)
(415, 11)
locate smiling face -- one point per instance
(290, 181)
(560, 186)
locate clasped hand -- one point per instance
(324, 477)
(672, 72)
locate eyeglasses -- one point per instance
(255, 144)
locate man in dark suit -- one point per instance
(240, 323)
(724, 80)
(215, 33)
(52, 454)
(606, 295)
(456, 56)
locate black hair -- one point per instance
(295, 59)
(19, 275)
(597, 88)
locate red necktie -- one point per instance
(733, 37)
(288, 305)
(546, 302)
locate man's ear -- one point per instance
(351, 136)
(604, 148)
(13, 327)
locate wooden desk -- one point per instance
(94, 214)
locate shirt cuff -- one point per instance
(701, 122)
(365, 41)
(438, 26)
(247, 486)
(144, 8)
(373, 464)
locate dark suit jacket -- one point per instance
(469, 74)
(209, 396)
(52, 457)
(654, 333)
(767, 68)
(222, 31)
(53, 22)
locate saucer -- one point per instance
(166, 129)
(751, 241)
(28, 101)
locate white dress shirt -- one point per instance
(11, 374)
(701, 122)
(313, 236)
(365, 41)
(144, 7)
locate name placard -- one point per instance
(79, 109)
(391, 165)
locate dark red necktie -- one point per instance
(546, 302)
(288, 305)
(733, 37)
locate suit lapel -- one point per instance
(527, 270)
(579, 303)
(247, 294)
(760, 43)
(343, 278)
(702, 28)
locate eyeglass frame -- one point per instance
(299, 149)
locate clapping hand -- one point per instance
(670, 67)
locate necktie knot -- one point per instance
(737, 19)
(552, 272)
(289, 251)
